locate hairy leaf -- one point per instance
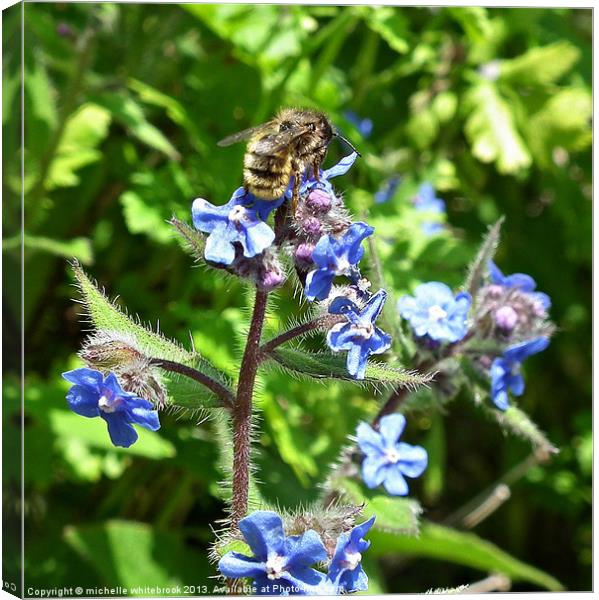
(324, 365)
(443, 543)
(393, 514)
(517, 422)
(486, 252)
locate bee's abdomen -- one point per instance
(266, 176)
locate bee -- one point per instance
(287, 146)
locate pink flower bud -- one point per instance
(506, 318)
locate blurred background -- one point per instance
(124, 105)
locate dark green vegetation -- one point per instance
(124, 106)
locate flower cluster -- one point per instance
(388, 461)
(93, 395)
(324, 245)
(512, 313)
(510, 307)
(284, 565)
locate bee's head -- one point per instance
(315, 123)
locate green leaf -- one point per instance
(564, 121)
(39, 90)
(540, 66)
(491, 130)
(443, 543)
(80, 248)
(144, 218)
(324, 365)
(391, 25)
(67, 426)
(84, 130)
(393, 514)
(474, 21)
(127, 111)
(478, 267)
(131, 554)
(183, 391)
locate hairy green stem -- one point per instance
(242, 411)
(220, 390)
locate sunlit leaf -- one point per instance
(491, 130)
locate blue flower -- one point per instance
(364, 126)
(94, 395)
(359, 336)
(387, 190)
(335, 256)
(281, 565)
(230, 223)
(309, 183)
(519, 281)
(427, 201)
(345, 570)
(505, 370)
(389, 461)
(435, 312)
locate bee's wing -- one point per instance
(242, 135)
(275, 142)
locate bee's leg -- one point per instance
(295, 193)
(316, 169)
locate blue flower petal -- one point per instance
(263, 531)
(374, 470)
(374, 306)
(521, 351)
(85, 377)
(342, 167)
(235, 565)
(391, 427)
(219, 246)
(258, 237)
(353, 238)
(206, 217)
(120, 430)
(357, 357)
(319, 284)
(142, 413)
(340, 337)
(394, 482)
(369, 440)
(413, 461)
(84, 401)
(305, 550)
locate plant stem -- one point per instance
(242, 411)
(295, 332)
(219, 389)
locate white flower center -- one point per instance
(392, 455)
(106, 405)
(436, 313)
(237, 214)
(365, 331)
(343, 266)
(275, 566)
(352, 560)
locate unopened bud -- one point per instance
(506, 318)
(319, 200)
(303, 253)
(311, 225)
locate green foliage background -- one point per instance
(123, 108)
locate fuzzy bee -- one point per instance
(294, 141)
